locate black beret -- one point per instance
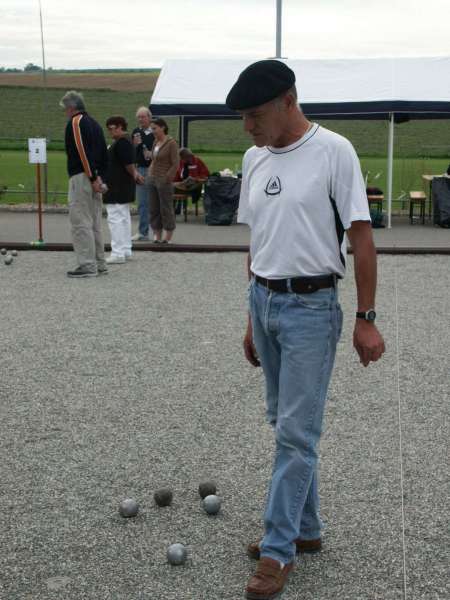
(259, 83)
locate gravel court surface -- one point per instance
(119, 385)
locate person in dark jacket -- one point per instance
(121, 178)
(86, 165)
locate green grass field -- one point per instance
(16, 172)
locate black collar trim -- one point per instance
(302, 141)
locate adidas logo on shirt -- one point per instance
(273, 187)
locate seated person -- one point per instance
(190, 176)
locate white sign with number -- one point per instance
(37, 150)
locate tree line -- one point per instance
(32, 68)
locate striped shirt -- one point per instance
(85, 147)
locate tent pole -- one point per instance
(183, 125)
(180, 131)
(278, 33)
(186, 121)
(390, 167)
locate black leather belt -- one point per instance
(298, 285)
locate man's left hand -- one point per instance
(367, 341)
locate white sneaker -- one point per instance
(115, 260)
(137, 237)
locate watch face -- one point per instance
(371, 315)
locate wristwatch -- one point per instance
(369, 315)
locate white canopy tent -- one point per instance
(395, 89)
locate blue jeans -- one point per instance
(295, 337)
(143, 203)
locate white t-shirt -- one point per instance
(287, 199)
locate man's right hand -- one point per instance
(97, 185)
(249, 347)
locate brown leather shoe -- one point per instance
(269, 580)
(302, 547)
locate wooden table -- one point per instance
(376, 199)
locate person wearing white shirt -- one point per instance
(302, 190)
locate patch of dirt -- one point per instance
(131, 82)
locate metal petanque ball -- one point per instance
(128, 507)
(3, 251)
(163, 497)
(14, 253)
(176, 554)
(212, 504)
(207, 488)
(8, 259)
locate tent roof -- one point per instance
(361, 88)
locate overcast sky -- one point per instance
(144, 33)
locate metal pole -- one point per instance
(44, 74)
(180, 131)
(278, 32)
(44, 80)
(38, 185)
(186, 122)
(390, 166)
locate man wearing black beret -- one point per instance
(302, 189)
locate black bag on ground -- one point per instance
(377, 219)
(376, 216)
(221, 199)
(440, 188)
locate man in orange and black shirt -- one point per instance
(87, 161)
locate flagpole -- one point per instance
(278, 31)
(44, 80)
